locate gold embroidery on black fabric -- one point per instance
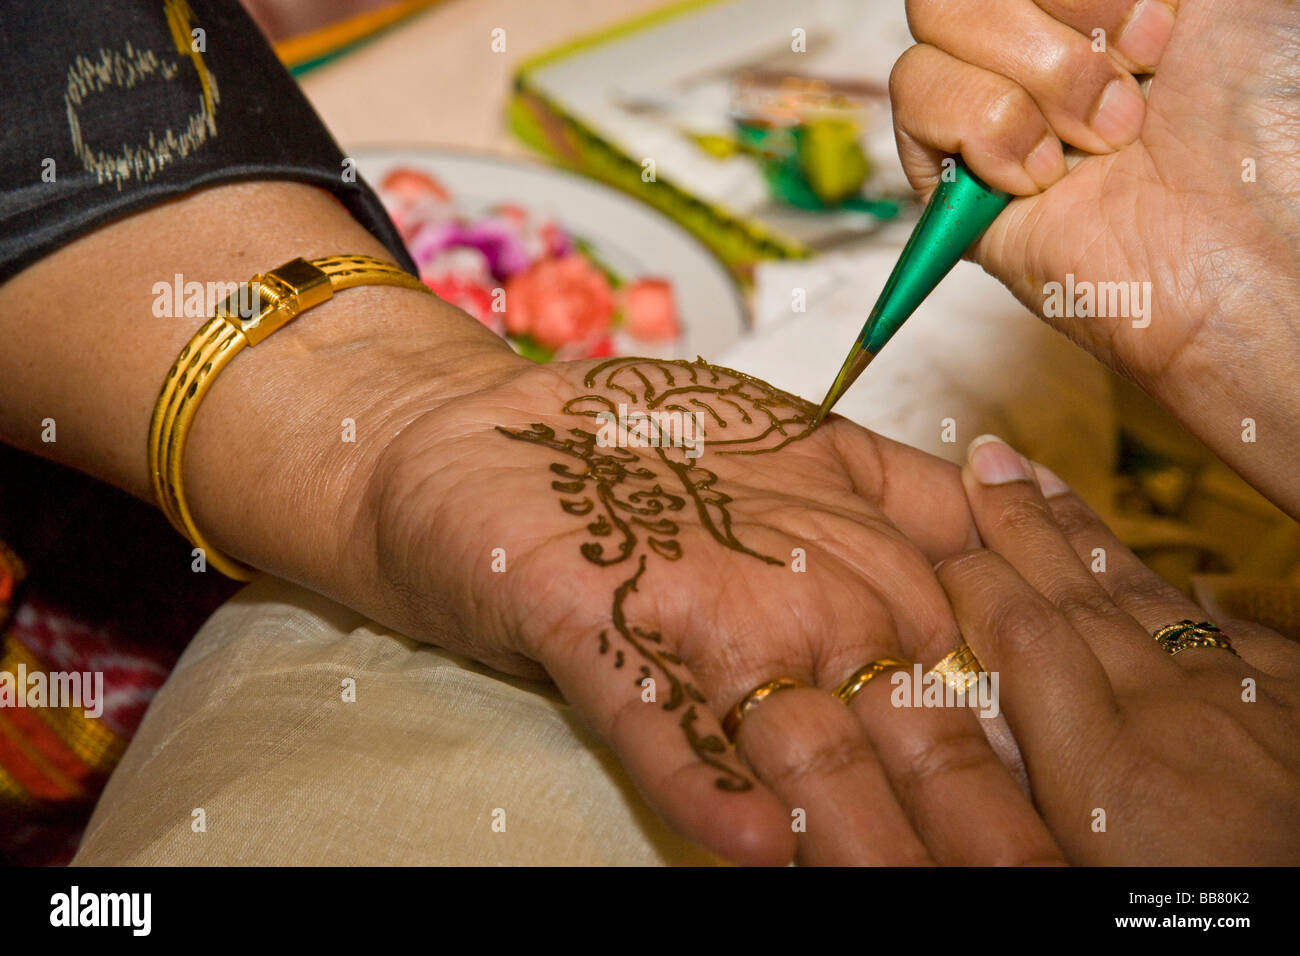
(126, 70)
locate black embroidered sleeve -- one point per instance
(113, 106)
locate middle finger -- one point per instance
(1089, 99)
(960, 797)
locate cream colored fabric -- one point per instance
(252, 729)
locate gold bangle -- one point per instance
(279, 296)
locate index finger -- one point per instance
(673, 748)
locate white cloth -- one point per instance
(971, 354)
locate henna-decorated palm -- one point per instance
(658, 585)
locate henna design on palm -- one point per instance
(626, 494)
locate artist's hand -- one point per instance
(503, 527)
(1195, 192)
(1135, 757)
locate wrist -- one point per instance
(308, 413)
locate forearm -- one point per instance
(270, 478)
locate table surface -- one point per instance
(435, 81)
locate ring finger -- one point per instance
(958, 794)
(1148, 598)
(804, 745)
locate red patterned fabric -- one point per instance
(108, 590)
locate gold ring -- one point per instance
(731, 723)
(1183, 634)
(959, 669)
(864, 675)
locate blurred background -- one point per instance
(601, 177)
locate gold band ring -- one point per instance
(864, 675)
(959, 669)
(1177, 637)
(731, 723)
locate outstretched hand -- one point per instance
(540, 526)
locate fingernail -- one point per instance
(1144, 38)
(1049, 483)
(1046, 162)
(994, 462)
(1119, 114)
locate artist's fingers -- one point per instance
(1134, 32)
(1148, 598)
(1015, 521)
(1089, 99)
(943, 105)
(673, 748)
(812, 752)
(960, 798)
(1053, 690)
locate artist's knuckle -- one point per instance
(1006, 113)
(1084, 600)
(1057, 68)
(924, 15)
(1017, 620)
(942, 755)
(973, 563)
(968, 570)
(1140, 590)
(1072, 517)
(1023, 516)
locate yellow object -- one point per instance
(263, 306)
(1174, 638)
(959, 669)
(731, 723)
(832, 159)
(864, 675)
(300, 52)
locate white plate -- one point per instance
(630, 237)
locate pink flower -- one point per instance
(649, 312)
(557, 301)
(412, 184)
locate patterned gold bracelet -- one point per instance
(253, 312)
